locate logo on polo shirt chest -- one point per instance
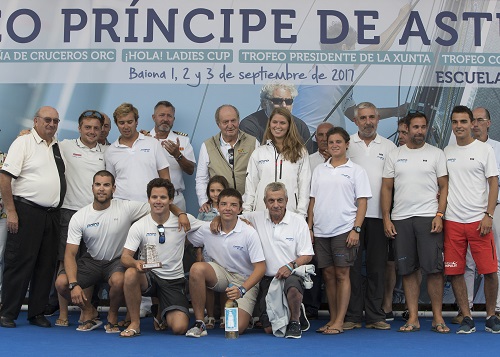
(77, 155)
(145, 150)
(402, 161)
(150, 234)
(380, 156)
(451, 159)
(93, 225)
(238, 247)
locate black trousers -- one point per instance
(373, 243)
(30, 255)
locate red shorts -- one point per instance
(456, 238)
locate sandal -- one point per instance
(409, 328)
(440, 328)
(157, 323)
(209, 323)
(89, 325)
(134, 333)
(62, 323)
(112, 328)
(222, 323)
(323, 328)
(332, 331)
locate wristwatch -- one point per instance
(73, 285)
(179, 158)
(242, 290)
(356, 229)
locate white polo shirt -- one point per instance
(335, 191)
(30, 161)
(170, 253)
(235, 251)
(133, 167)
(282, 242)
(469, 167)
(372, 159)
(415, 173)
(104, 232)
(82, 163)
(175, 169)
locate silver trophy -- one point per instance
(151, 254)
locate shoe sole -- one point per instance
(489, 329)
(462, 332)
(304, 316)
(378, 328)
(296, 337)
(204, 333)
(348, 328)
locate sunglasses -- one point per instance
(161, 230)
(278, 101)
(230, 153)
(49, 120)
(91, 114)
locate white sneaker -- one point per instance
(198, 330)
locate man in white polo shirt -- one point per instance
(238, 259)
(286, 243)
(158, 229)
(472, 198)
(481, 122)
(177, 148)
(134, 159)
(369, 150)
(417, 172)
(33, 186)
(103, 226)
(83, 157)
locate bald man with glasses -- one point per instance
(33, 186)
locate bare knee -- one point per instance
(61, 284)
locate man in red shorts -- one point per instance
(472, 198)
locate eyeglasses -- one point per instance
(49, 120)
(230, 158)
(278, 101)
(161, 230)
(91, 114)
(479, 120)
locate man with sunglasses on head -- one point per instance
(274, 95)
(167, 282)
(33, 186)
(225, 154)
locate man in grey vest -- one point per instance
(225, 154)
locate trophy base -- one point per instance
(151, 265)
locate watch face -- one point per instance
(357, 229)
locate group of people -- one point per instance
(116, 214)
